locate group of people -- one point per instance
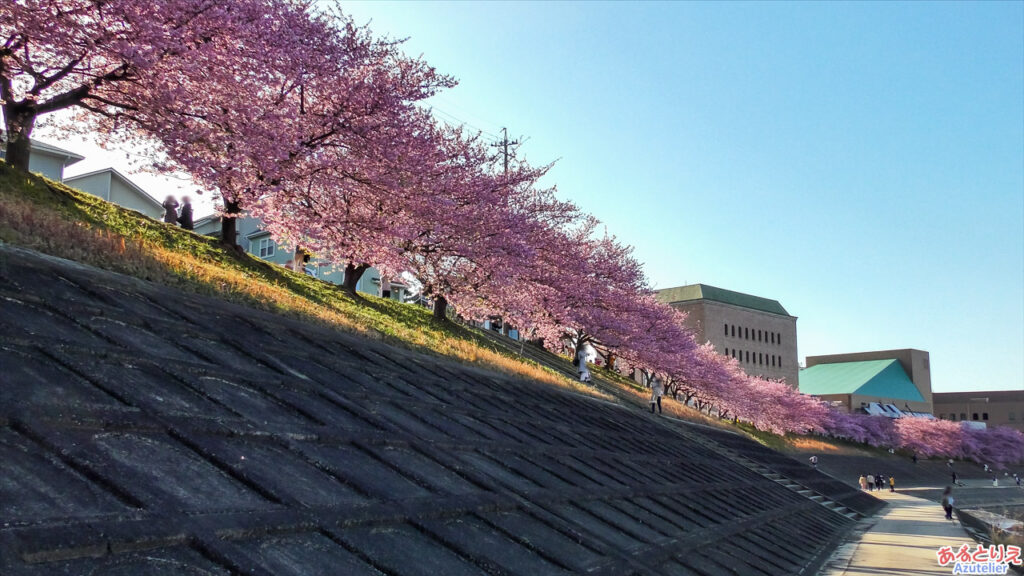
(872, 482)
(657, 386)
(172, 214)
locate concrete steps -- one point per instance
(557, 363)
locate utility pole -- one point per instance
(504, 143)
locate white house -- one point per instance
(45, 159)
(115, 187)
(254, 239)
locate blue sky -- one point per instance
(862, 163)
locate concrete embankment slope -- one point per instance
(147, 431)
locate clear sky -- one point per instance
(862, 163)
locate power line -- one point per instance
(451, 117)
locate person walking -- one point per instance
(581, 358)
(880, 481)
(814, 462)
(953, 474)
(863, 482)
(948, 501)
(185, 216)
(657, 391)
(914, 457)
(871, 483)
(170, 210)
(1016, 478)
(892, 483)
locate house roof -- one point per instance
(144, 430)
(879, 378)
(706, 292)
(114, 174)
(40, 146)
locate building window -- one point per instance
(748, 355)
(1012, 416)
(746, 333)
(760, 336)
(942, 416)
(726, 329)
(984, 415)
(780, 361)
(773, 360)
(974, 416)
(963, 416)
(726, 351)
(265, 248)
(733, 330)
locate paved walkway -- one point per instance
(901, 540)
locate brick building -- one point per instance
(757, 331)
(993, 408)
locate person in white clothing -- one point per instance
(657, 391)
(581, 358)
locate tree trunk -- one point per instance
(229, 224)
(19, 125)
(440, 308)
(353, 273)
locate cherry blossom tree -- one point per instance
(997, 446)
(928, 437)
(58, 54)
(334, 109)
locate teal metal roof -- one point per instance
(880, 378)
(705, 292)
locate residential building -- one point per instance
(46, 159)
(884, 382)
(757, 331)
(115, 187)
(991, 408)
(256, 240)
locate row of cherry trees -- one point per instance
(296, 115)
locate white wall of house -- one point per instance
(48, 165)
(97, 184)
(112, 187)
(258, 242)
(124, 195)
(45, 159)
(208, 226)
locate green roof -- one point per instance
(879, 378)
(705, 292)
